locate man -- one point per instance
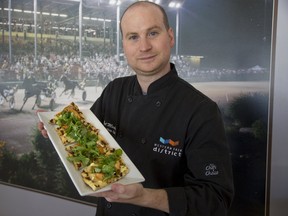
(173, 133)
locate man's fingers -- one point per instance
(40, 125)
(42, 129)
(44, 133)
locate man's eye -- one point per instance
(132, 37)
(152, 34)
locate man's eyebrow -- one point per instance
(154, 27)
(147, 30)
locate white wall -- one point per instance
(20, 202)
(279, 148)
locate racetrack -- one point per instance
(17, 127)
(223, 92)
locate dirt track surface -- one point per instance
(16, 128)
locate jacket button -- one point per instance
(143, 140)
(158, 103)
(130, 99)
(109, 205)
(120, 134)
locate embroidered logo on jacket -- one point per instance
(167, 147)
(169, 141)
(211, 170)
(110, 127)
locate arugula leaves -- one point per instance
(86, 151)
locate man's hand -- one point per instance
(41, 126)
(123, 193)
(42, 129)
(137, 195)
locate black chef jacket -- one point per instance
(175, 136)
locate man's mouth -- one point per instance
(146, 58)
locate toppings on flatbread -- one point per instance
(107, 169)
(89, 152)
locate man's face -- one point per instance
(146, 41)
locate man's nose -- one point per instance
(145, 44)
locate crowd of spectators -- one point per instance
(99, 62)
(25, 23)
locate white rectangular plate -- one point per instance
(134, 176)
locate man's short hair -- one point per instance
(165, 17)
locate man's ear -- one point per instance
(171, 36)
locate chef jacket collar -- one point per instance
(159, 84)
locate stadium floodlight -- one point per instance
(155, 1)
(114, 2)
(175, 4)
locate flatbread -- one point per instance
(91, 155)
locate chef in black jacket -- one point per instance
(173, 133)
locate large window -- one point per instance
(223, 48)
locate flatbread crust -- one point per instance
(72, 107)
